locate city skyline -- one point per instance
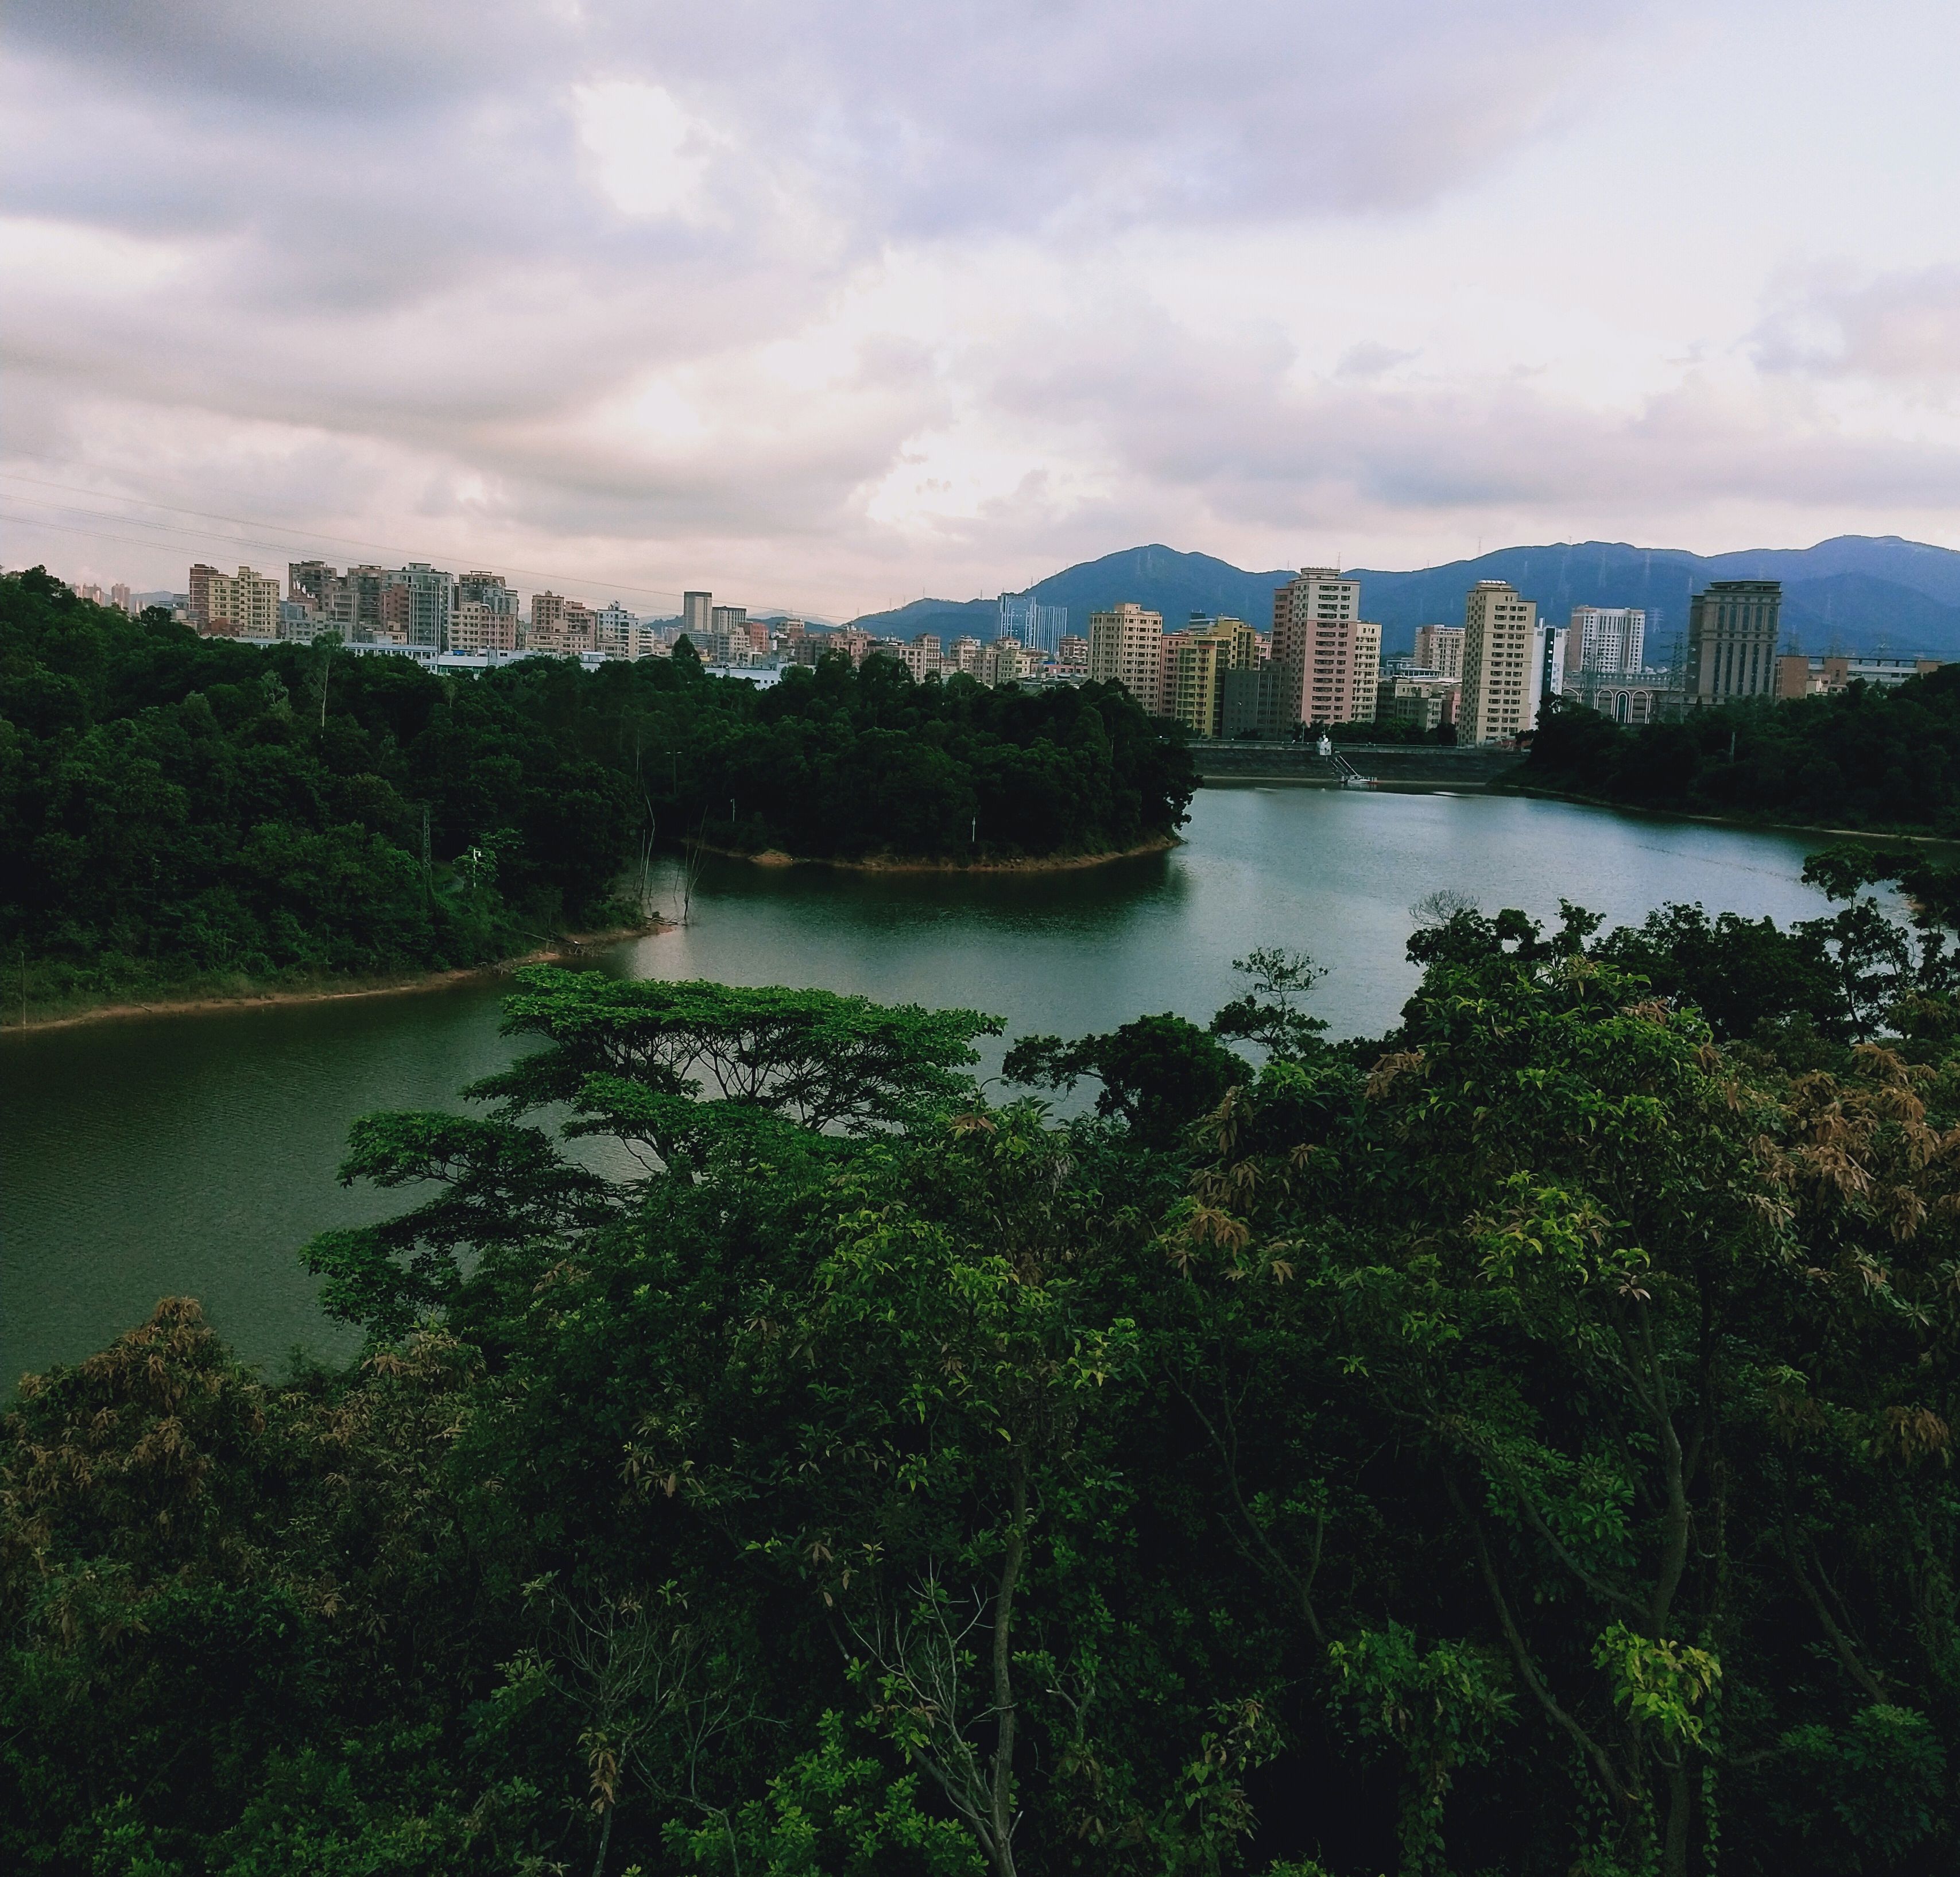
(684, 300)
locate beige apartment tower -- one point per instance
(1500, 636)
(1195, 662)
(244, 605)
(1126, 647)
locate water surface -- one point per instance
(194, 1154)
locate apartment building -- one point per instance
(1327, 659)
(1425, 699)
(923, 656)
(1439, 649)
(244, 605)
(1007, 661)
(1611, 641)
(1733, 627)
(696, 612)
(1500, 678)
(1126, 647)
(964, 654)
(478, 626)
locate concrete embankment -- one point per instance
(1414, 767)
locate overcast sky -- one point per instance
(830, 305)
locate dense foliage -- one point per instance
(174, 808)
(1867, 757)
(178, 808)
(1521, 1443)
(847, 765)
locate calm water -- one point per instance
(195, 1154)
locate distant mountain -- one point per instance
(1855, 592)
(1175, 584)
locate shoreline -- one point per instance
(572, 945)
(876, 864)
(1749, 824)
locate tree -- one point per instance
(1266, 1014)
(1159, 1074)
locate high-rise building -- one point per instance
(1327, 659)
(244, 605)
(423, 613)
(1732, 641)
(198, 608)
(1023, 617)
(310, 582)
(478, 626)
(1549, 649)
(1126, 647)
(1610, 640)
(1499, 672)
(547, 628)
(119, 597)
(1439, 649)
(966, 654)
(1199, 663)
(696, 612)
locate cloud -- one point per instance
(810, 293)
(1901, 325)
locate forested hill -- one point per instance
(175, 810)
(1866, 757)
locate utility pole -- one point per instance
(428, 885)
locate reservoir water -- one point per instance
(158, 1155)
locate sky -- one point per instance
(831, 305)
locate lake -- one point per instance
(156, 1155)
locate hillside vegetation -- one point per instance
(1520, 1443)
(177, 811)
(1866, 757)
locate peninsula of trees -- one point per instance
(1521, 1443)
(1867, 757)
(176, 810)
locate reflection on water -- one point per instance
(195, 1154)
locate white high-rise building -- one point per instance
(1608, 640)
(1547, 670)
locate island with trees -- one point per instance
(1520, 1442)
(180, 814)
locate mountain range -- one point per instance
(1853, 593)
